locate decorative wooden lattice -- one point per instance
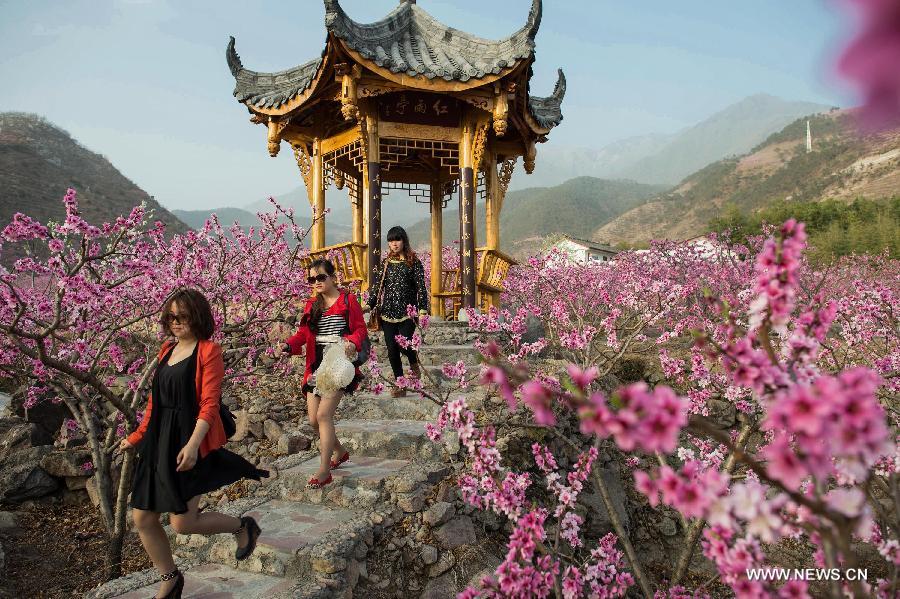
(420, 192)
(347, 259)
(395, 151)
(353, 152)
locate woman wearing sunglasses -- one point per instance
(330, 316)
(180, 439)
(400, 283)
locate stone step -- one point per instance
(440, 332)
(221, 582)
(359, 483)
(287, 528)
(390, 438)
(368, 406)
(435, 355)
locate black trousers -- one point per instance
(391, 330)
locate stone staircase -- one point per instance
(315, 541)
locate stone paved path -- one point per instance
(312, 537)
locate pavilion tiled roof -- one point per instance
(548, 111)
(411, 41)
(407, 41)
(267, 90)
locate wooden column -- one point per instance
(467, 213)
(318, 182)
(358, 232)
(373, 200)
(492, 206)
(437, 240)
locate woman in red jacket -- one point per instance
(180, 439)
(330, 316)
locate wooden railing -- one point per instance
(348, 259)
(450, 295)
(491, 271)
(491, 268)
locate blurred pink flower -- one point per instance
(871, 61)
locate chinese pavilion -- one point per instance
(409, 103)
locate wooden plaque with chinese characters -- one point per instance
(419, 108)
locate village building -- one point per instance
(409, 103)
(583, 251)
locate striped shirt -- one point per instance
(330, 328)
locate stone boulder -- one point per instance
(723, 414)
(47, 414)
(272, 430)
(534, 330)
(438, 514)
(456, 532)
(16, 434)
(69, 439)
(598, 522)
(21, 475)
(66, 463)
(293, 442)
(472, 563)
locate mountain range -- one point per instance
(842, 164)
(667, 159)
(530, 215)
(620, 193)
(39, 161)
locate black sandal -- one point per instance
(253, 532)
(176, 591)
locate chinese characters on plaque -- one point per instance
(419, 108)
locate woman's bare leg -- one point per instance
(156, 544)
(312, 409)
(193, 522)
(328, 442)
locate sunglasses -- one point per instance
(175, 318)
(317, 279)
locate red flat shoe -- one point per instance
(315, 484)
(337, 464)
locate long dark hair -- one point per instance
(399, 234)
(318, 307)
(197, 308)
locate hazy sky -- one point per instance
(145, 83)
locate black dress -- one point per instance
(157, 485)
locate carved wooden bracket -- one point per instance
(370, 90)
(339, 179)
(348, 76)
(477, 101)
(501, 111)
(478, 143)
(504, 177)
(274, 138)
(304, 163)
(530, 157)
(363, 141)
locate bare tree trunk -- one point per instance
(630, 553)
(120, 528)
(692, 534)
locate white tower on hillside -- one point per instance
(808, 138)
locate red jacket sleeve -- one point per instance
(212, 372)
(136, 437)
(297, 341)
(356, 323)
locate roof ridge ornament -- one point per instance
(234, 60)
(534, 18)
(559, 90)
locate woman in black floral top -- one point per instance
(404, 285)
